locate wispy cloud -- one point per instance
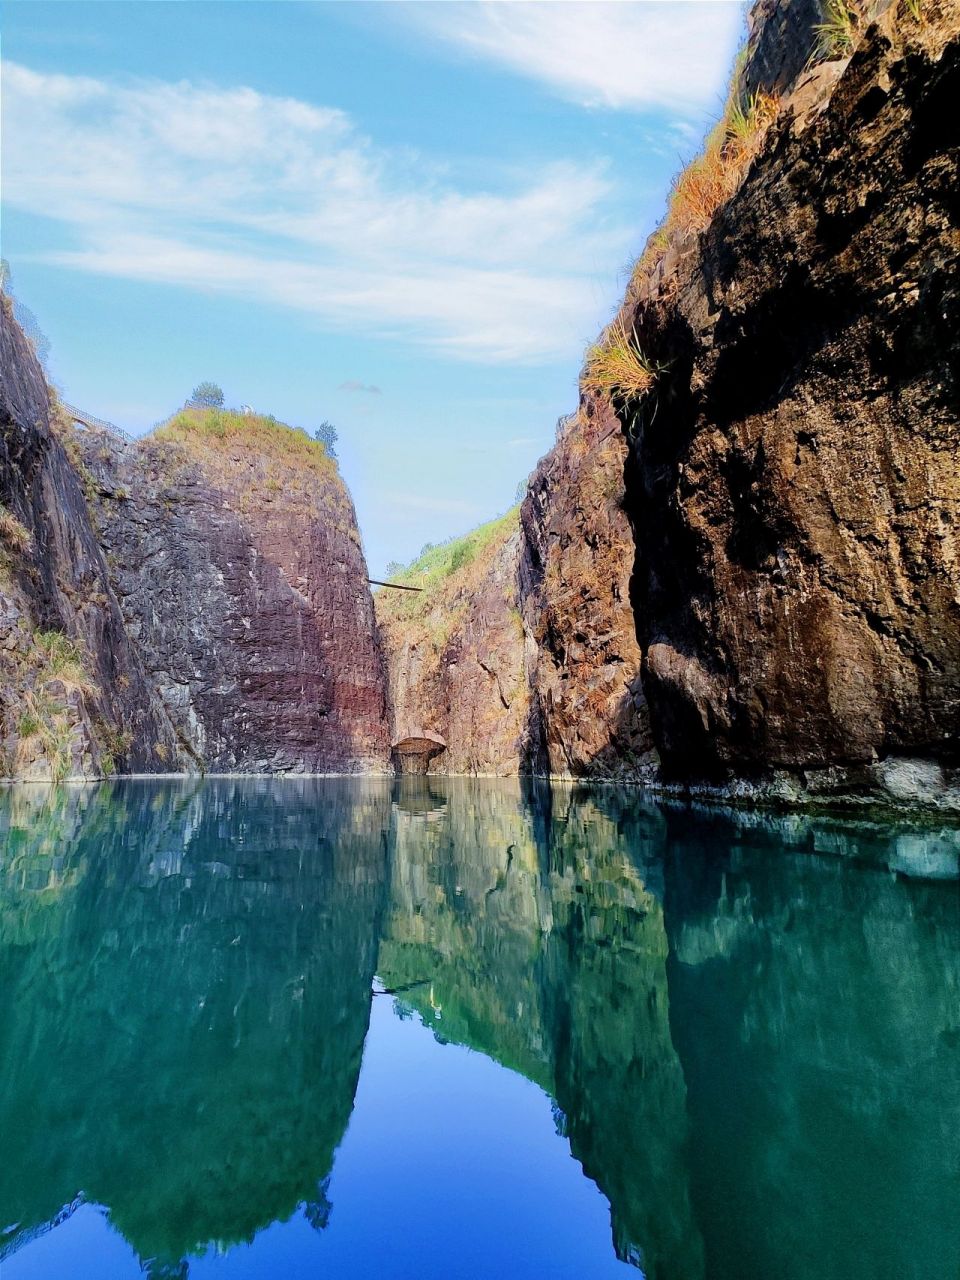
(353, 384)
(638, 56)
(237, 192)
(439, 506)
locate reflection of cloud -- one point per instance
(635, 56)
(240, 193)
(352, 384)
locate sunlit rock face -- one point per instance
(456, 662)
(203, 993)
(793, 481)
(240, 575)
(782, 618)
(198, 599)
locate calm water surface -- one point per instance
(325, 1028)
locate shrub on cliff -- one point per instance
(206, 395)
(327, 435)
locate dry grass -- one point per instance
(711, 178)
(206, 430)
(45, 680)
(261, 463)
(62, 659)
(838, 32)
(13, 532)
(617, 367)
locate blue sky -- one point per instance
(407, 218)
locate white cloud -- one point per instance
(241, 193)
(638, 54)
(361, 388)
(437, 506)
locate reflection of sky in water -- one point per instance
(714, 1044)
(451, 1166)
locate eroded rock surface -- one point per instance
(236, 559)
(197, 599)
(456, 658)
(74, 696)
(588, 711)
(794, 482)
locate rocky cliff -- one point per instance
(456, 652)
(793, 477)
(588, 711)
(195, 600)
(74, 696)
(233, 550)
(738, 569)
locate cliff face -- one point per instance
(793, 483)
(456, 652)
(233, 550)
(74, 697)
(743, 575)
(194, 600)
(588, 712)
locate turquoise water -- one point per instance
(335, 1028)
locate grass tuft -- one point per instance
(62, 659)
(221, 428)
(12, 531)
(617, 367)
(712, 177)
(839, 30)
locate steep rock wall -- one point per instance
(794, 481)
(588, 712)
(233, 550)
(74, 697)
(194, 600)
(457, 655)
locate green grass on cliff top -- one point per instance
(221, 428)
(434, 566)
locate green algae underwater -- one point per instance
(465, 1028)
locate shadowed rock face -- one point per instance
(53, 579)
(242, 578)
(588, 712)
(796, 492)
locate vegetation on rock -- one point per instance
(207, 395)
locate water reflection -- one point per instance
(186, 976)
(749, 1027)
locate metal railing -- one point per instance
(96, 424)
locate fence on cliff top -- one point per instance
(97, 424)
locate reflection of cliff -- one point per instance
(816, 1011)
(542, 946)
(183, 1001)
(754, 1049)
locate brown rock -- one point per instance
(794, 484)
